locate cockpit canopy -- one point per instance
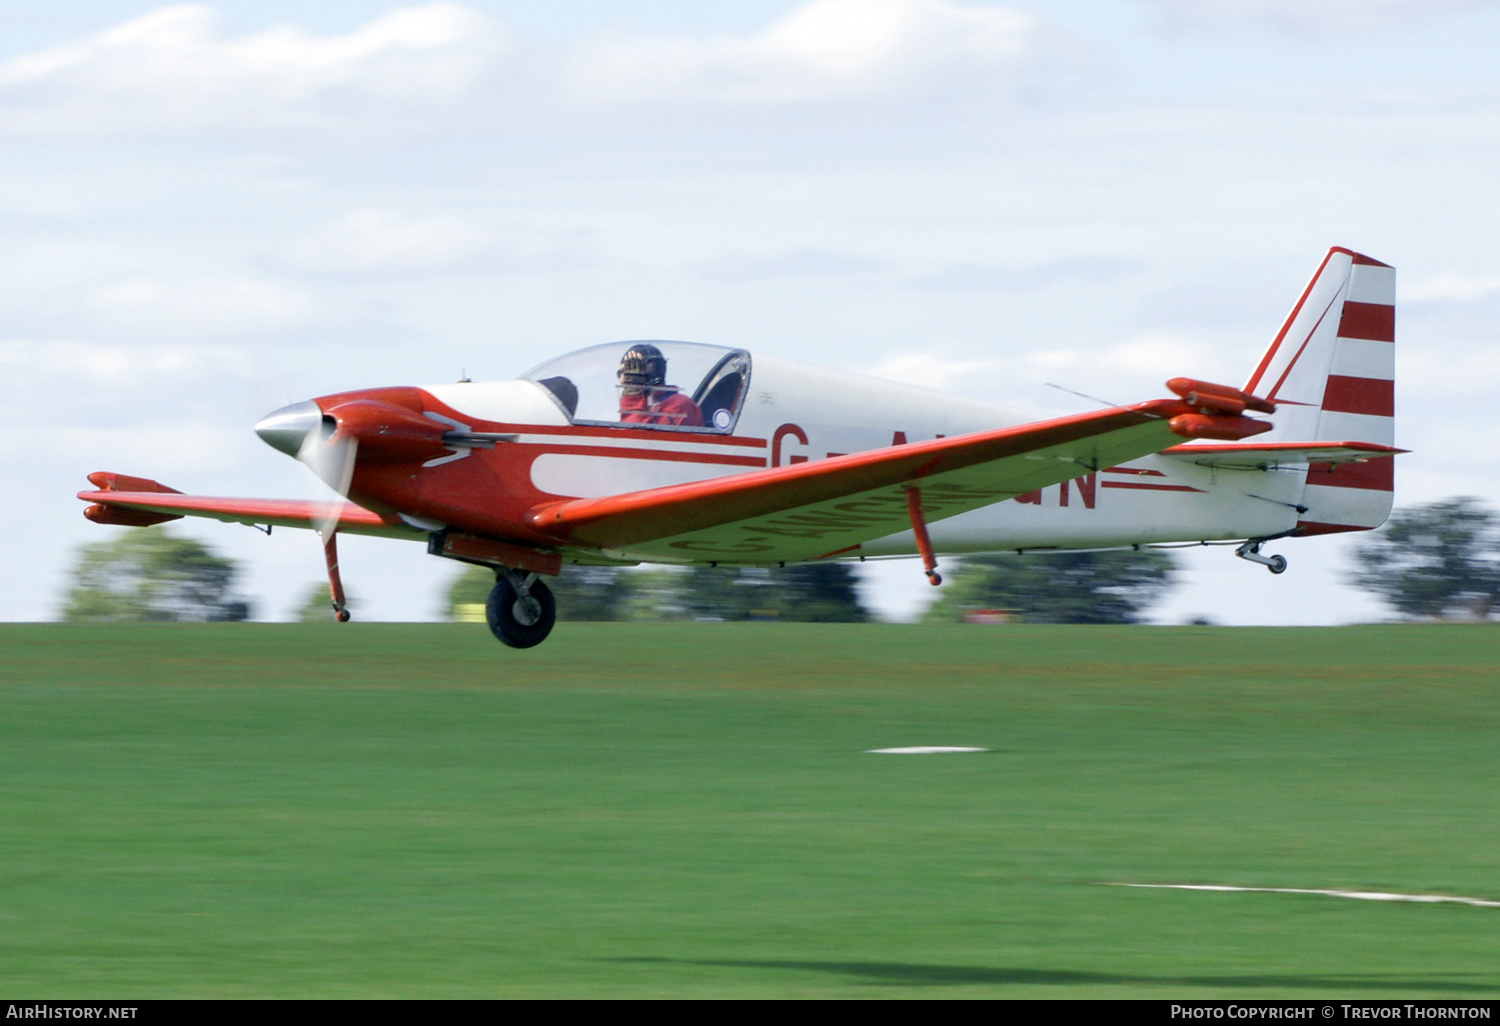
(586, 385)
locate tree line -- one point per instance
(809, 593)
(1440, 560)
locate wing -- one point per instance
(1273, 454)
(138, 502)
(830, 506)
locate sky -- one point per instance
(210, 211)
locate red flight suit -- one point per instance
(670, 407)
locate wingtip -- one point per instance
(109, 481)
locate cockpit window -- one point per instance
(675, 386)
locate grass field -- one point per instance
(383, 810)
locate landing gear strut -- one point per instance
(1251, 551)
(520, 610)
(919, 531)
(335, 582)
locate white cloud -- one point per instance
(384, 241)
(1126, 372)
(30, 364)
(823, 50)
(165, 449)
(81, 403)
(934, 371)
(1312, 17)
(1149, 357)
(1055, 359)
(1460, 288)
(1428, 371)
(180, 306)
(797, 263)
(171, 69)
(1066, 271)
(1156, 356)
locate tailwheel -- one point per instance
(1251, 551)
(520, 610)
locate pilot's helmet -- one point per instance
(642, 366)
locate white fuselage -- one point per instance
(803, 413)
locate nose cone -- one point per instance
(289, 426)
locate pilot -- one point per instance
(646, 398)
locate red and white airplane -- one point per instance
(674, 452)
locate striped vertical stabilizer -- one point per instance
(1332, 372)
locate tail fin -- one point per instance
(1331, 371)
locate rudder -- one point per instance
(1331, 370)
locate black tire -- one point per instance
(1277, 565)
(507, 614)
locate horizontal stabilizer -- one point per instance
(1280, 454)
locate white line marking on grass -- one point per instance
(1357, 895)
(920, 750)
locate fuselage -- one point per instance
(781, 413)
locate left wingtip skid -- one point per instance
(1219, 428)
(106, 481)
(103, 513)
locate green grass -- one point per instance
(376, 810)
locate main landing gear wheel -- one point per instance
(520, 621)
(1277, 565)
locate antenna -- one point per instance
(1090, 398)
(463, 376)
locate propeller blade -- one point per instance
(331, 456)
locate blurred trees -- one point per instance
(582, 592)
(805, 593)
(823, 593)
(1440, 559)
(1062, 587)
(150, 574)
(317, 605)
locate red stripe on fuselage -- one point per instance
(665, 455)
(1143, 486)
(1311, 527)
(639, 433)
(636, 434)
